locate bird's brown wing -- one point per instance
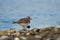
(24, 20)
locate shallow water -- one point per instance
(43, 12)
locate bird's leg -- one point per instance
(24, 27)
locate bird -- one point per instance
(24, 22)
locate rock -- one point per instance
(4, 38)
(16, 38)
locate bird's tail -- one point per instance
(14, 22)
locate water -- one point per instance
(43, 12)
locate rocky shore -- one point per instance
(48, 33)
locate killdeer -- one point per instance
(24, 22)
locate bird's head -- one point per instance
(28, 17)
